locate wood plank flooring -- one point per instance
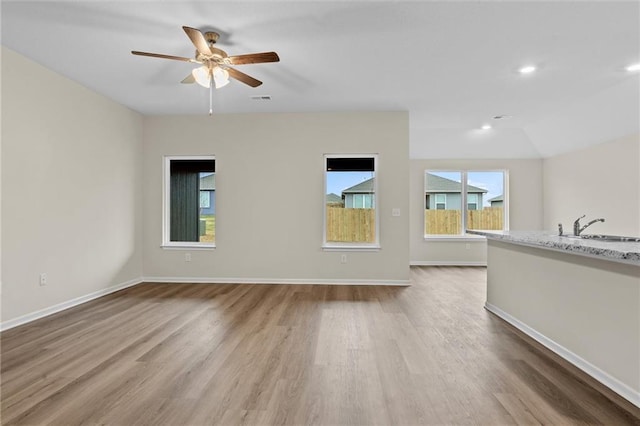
(200, 354)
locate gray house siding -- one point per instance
(360, 196)
(453, 201)
(496, 201)
(438, 188)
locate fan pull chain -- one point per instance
(211, 94)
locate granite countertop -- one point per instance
(625, 252)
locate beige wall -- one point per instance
(525, 208)
(269, 196)
(71, 187)
(599, 181)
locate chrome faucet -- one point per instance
(576, 225)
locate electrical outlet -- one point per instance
(467, 246)
(343, 258)
(187, 257)
(43, 279)
(395, 212)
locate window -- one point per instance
(354, 222)
(361, 201)
(189, 201)
(205, 200)
(482, 192)
(442, 211)
(472, 201)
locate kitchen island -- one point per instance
(580, 298)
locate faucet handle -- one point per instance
(581, 217)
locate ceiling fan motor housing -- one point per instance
(211, 37)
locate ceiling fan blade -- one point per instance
(198, 40)
(253, 58)
(188, 79)
(240, 76)
(158, 55)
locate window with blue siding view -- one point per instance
(350, 200)
(446, 193)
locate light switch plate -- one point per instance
(395, 212)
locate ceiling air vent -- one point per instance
(261, 98)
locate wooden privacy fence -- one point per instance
(351, 225)
(449, 221)
(488, 218)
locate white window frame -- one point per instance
(463, 236)
(166, 208)
(436, 202)
(340, 246)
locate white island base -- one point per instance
(585, 309)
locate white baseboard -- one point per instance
(209, 280)
(609, 381)
(445, 263)
(5, 325)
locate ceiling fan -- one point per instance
(216, 64)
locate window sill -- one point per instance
(455, 238)
(343, 247)
(187, 246)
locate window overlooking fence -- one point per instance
(350, 219)
(189, 201)
(482, 192)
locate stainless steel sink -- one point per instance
(600, 237)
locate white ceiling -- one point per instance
(452, 65)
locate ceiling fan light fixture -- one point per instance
(220, 77)
(202, 77)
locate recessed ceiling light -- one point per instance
(485, 127)
(633, 67)
(527, 70)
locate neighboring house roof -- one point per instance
(364, 187)
(208, 183)
(498, 198)
(439, 184)
(333, 198)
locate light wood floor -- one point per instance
(199, 354)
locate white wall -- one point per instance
(269, 196)
(71, 190)
(525, 208)
(599, 181)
